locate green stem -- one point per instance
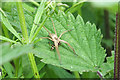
(77, 76)
(22, 20)
(33, 65)
(25, 35)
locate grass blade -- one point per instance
(9, 69)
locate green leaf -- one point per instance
(6, 39)
(9, 26)
(9, 69)
(84, 38)
(89, 75)
(37, 17)
(75, 7)
(26, 67)
(28, 7)
(13, 18)
(8, 53)
(109, 66)
(61, 73)
(56, 72)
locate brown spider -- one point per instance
(57, 40)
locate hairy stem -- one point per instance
(33, 65)
(25, 35)
(22, 21)
(117, 46)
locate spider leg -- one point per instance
(69, 46)
(46, 30)
(46, 38)
(63, 33)
(54, 26)
(56, 46)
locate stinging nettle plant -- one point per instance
(83, 37)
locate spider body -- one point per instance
(54, 38)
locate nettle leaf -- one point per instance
(84, 38)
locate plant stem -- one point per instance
(117, 46)
(77, 76)
(33, 65)
(22, 21)
(25, 35)
(100, 75)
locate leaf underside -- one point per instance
(84, 38)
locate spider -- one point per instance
(53, 37)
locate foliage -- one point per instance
(20, 55)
